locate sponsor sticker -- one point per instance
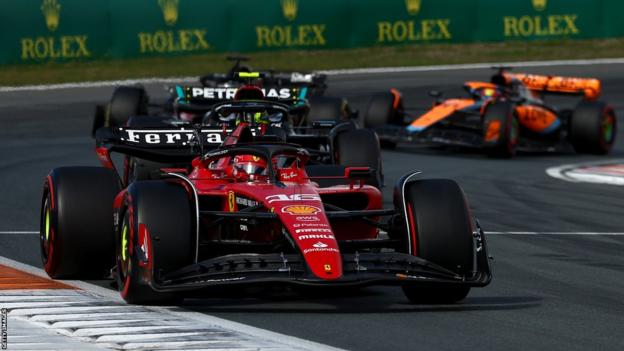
(246, 202)
(288, 176)
(293, 197)
(320, 249)
(308, 225)
(297, 77)
(169, 137)
(313, 230)
(307, 219)
(301, 210)
(230, 93)
(315, 236)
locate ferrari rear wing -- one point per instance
(590, 88)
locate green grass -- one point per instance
(414, 55)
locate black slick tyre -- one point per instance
(327, 108)
(76, 228)
(140, 169)
(360, 148)
(593, 128)
(381, 111)
(440, 232)
(501, 130)
(127, 101)
(98, 118)
(154, 237)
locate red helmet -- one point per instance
(249, 92)
(249, 168)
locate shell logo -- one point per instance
(301, 210)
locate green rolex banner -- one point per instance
(39, 31)
(51, 30)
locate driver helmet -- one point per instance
(249, 168)
(256, 118)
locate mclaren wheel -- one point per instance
(593, 128)
(501, 130)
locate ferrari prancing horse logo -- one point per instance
(231, 201)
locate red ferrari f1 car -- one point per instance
(251, 212)
(505, 115)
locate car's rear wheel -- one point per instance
(380, 111)
(360, 148)
(439, 229)
(126, 102)
(154, 238)
(501, 130)
(593, 128)
(76, 227)
(327, 108)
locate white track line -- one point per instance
(10, 232)
(378, 70)
(554, 233)
(98, 84)
(567, 173)
(487, 233)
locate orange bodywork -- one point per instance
(396, 95)
(439, 112)
(493, 131)
(589, 87)
(480, 85)
(535, 118)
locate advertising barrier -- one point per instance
(39, 31)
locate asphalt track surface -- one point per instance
(550, 292)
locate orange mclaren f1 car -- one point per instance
(505, 115)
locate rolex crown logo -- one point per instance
(51, 12)
(289, 9)
(413, 6)
(539, 5)
(170, 11)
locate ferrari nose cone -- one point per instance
(323, 259)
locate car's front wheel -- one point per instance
(438, 228)
(154, 237)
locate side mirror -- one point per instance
(437, 96)
(354, 114)
(276, 118)
(517, 99)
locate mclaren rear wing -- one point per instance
(589, 88)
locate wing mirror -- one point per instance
(437, 96)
